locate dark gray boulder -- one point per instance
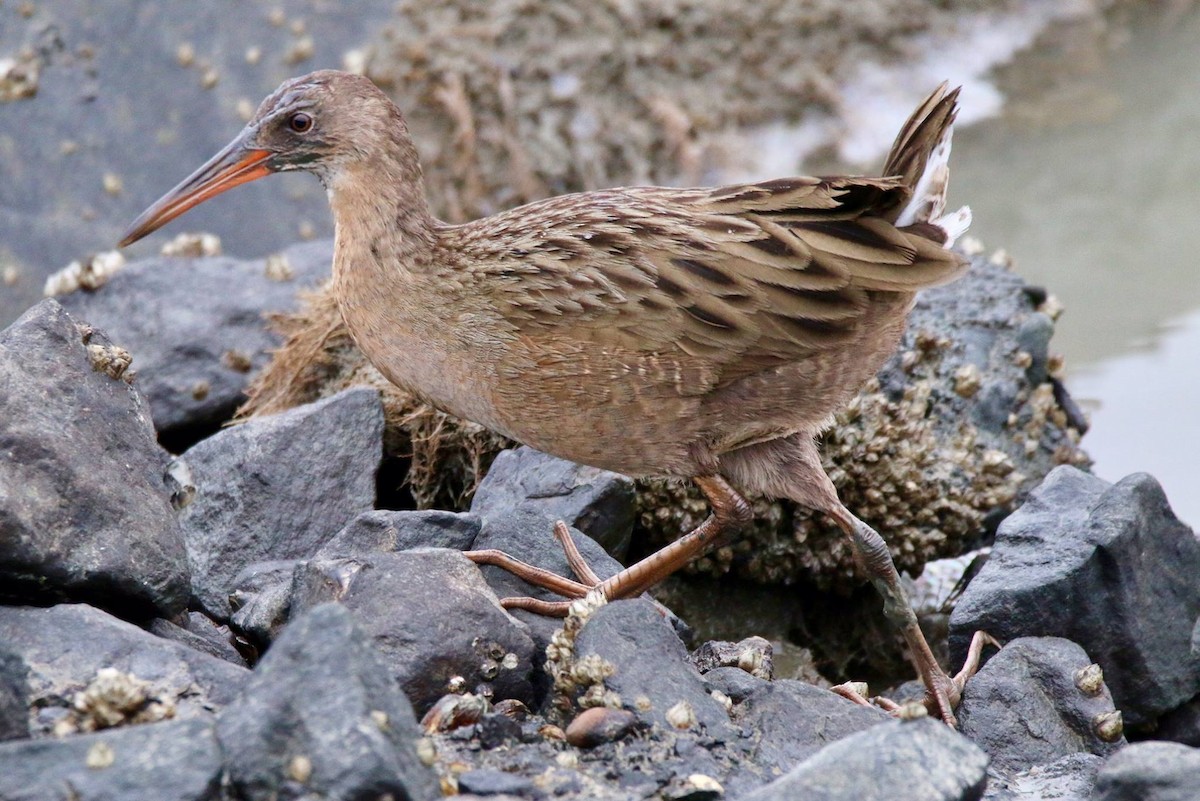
(598, 502)
(66, 646)
(196, 327)
(197, 631)
(1038, 700)
(1150, 771)
(736, 684)
(84, 512)
(170, 761)
(1108, 566)
(1181, 725)
(278, 487)
(1070, 778)
(261, 597)
(322, 718)
(651, 669)
(921, 760)
(381, 530)
(782, 716)
(14, 696)
(430, 614)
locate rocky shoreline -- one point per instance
(240, 620)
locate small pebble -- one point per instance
(185, 54)
(599, 725)
(210, 78)
(10, 275)
(113, 184)
(253, 55)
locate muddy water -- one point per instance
(1091, 181)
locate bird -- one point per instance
(693, 333)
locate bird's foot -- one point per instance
(540, 577)
(942, 692)
(730, 513)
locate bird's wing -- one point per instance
(744, 277)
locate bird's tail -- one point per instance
(920, 157)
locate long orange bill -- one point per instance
(236, 164)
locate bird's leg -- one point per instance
(942, 692)
(730, 513)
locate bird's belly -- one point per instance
(597, 408)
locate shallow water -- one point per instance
(1093, 186)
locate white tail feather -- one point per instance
(928, 201)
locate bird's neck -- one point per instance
(383, 223)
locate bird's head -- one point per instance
(320, 122)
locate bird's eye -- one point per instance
(300, 122)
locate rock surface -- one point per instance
(784, 717)
(84, 513)
(1068, 779)
(1039, 699)
(898, 761)
(14, 696)
(431, 616)
(322, 717)
(278, 487)
(651, 670)
(380, 530)
(1107, 566)
(201, 634)
(196, 327)
(65, 647)
(1150, 771)
(172, 761)
(598, 502)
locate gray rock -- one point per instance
(200, 633)
(652, 669)
(1107, 566)
(1150, 771)
(921, 760)
(527, 534)
(781, 715)
(489, 782)
(196, 327)
(1070, 778)
(1026, 707)
(734, 682)
(84, 513)
(431, 615)
(321, 717)
(171, 761)
(64, 647)
(261, 597)
(988, 317)
(1181, 725)
(14, 696)
(278, 487)
(753, 654)
(598, 502)
(378, 531)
